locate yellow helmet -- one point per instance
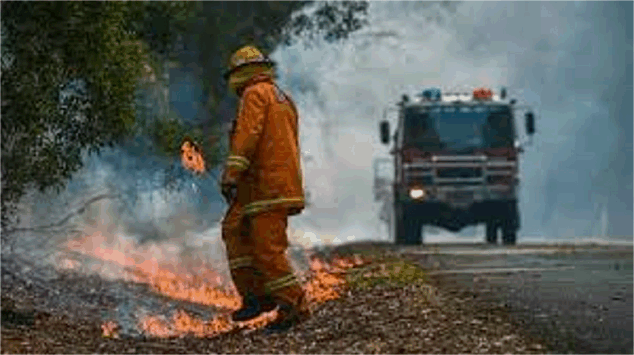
(245, 56)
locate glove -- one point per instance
(228, 188)
(229, 192)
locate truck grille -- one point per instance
(459, 172)
(459, 182)
(420, 180)
(460, 196)
(500, 179)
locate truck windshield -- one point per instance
(458, 127)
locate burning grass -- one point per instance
(323, 281)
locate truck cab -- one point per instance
(456, 164)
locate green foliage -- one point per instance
(391, 273)
(68, 79)
(69, 76)
(159, 24)
(167, 134)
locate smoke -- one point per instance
(122, 196)
(572, 62)
(576, 66)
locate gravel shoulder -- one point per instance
(387, 308)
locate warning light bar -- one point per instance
(451, 97)
(478, 94)
(482, 94)
(432, 94)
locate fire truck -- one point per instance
(455, 159)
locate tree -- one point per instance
(69, 74)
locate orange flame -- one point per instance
(192, 157)
(324, 282)
(110, 329)
(324, 285)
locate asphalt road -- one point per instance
(578, 298)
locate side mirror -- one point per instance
(385, 132)
(530, 123)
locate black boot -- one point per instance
(267, 304)
(287, 317)
(252, 308)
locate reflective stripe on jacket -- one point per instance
(265, 158)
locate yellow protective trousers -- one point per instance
(256, 250)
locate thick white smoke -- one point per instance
(555, 57)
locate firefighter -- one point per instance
(262, 181)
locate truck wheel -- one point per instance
(408, 233)
(415, 235)
(400, 233)
(509, 234)
(407, 228)
(400, 230)
(491, 233)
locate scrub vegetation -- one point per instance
(389, 273)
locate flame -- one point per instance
(110, 329)
(69, 264)
(191, 157)
(324, 285)
(324, 281)
(183, 324)
(178, 283)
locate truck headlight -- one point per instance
(416, 193)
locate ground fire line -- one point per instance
(323, 281)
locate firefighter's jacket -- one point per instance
(264, 157)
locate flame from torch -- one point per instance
(192, 156)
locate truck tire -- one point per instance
(511, 225)
(415, 229)
(407, 228)
(401, 233)
(492, 232)
(509, 233)
(399, 228)
(409, 233)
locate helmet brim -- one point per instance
(228, 73)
